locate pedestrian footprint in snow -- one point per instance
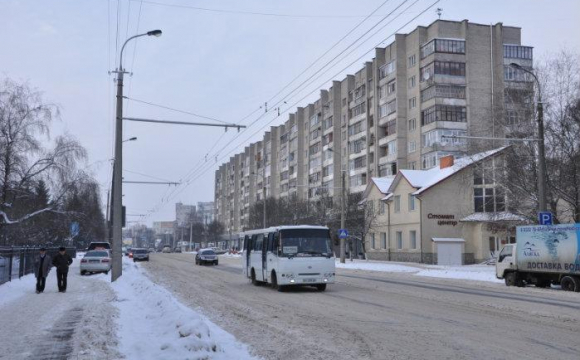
(42, 265)
(61, 262)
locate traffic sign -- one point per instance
(545, 218)
(342, 233)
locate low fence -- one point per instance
(16, 262)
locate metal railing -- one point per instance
(16, 262)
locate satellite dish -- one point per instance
(427, 75)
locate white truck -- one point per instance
(542, 255)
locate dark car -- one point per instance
(140, 255)
(206, 256)
(101, 245)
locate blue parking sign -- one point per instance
(545, 218)
(342, 233)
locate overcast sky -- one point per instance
(221, 64)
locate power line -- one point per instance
(149, 176)
(241, 12)
(330, 49)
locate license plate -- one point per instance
(94, 261)
(308, 280)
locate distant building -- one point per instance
(163, 227)
(205, 212)
(184, 214)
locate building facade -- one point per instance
(452, 214)
(448, 78)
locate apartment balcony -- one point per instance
(357, 136)
(387, 159)
(386, 139)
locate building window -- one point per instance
(391, 87)
(382, 207)
(327, 170)
(358, 110)
(443, 113)
(412, 60)
(412, 103)
(357, 145)
(397, 203)
(383, 240)
(443, 91)
(391, 106)
(358, 180)
(412, 146)
(387, 69)
(413, 239)
(512, 74)
(327, 123)
(391, 128)
(443, 46)
(412, 165)
(517, 52)
(373, 241)
(359, 92)
(357, 163)
(412, 81)
(356, 128)
(439, 137)
(392, 147)
(432, 159)
(399, 240)
(449, 68)
(412, 125)
(382, 91)
(411, 202)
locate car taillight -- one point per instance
(105, 260)
(84, 260)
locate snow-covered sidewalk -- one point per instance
(77, 324)
(466, 272)
(132, 318)
(153, 324)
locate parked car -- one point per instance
(205, 256)
(140, 255)
(96, 261)
(151, 250)
(177, 250)
(127, 251)
(166, 249)
(100, 245)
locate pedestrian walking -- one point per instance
(61, 262)
(42, 265)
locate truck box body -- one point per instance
(548, 248)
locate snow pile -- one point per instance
(16, 288)
(153, 324)
(231, 255)
(466, 272)
(375, 266)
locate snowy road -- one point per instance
(377, 315)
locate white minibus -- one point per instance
(289, 256)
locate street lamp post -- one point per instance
(117, 202)
(542, 202)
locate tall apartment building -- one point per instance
(449, 78)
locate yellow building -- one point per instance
(452, 214)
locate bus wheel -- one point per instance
(254, 281)
(274, 280)
(321, 287)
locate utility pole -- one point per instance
(342, 215)
(264, 188)
(190, 235)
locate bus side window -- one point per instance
(271, 242)
(258, 242)
(275, 242)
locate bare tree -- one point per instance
(25, 161)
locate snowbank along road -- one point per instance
(374, 315)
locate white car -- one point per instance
(96, 261)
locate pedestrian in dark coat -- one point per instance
(42, 265)
(61, 262)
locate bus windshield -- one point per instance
(306, 242)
